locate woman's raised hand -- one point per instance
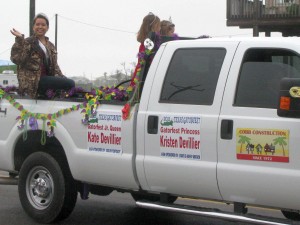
(15, 32)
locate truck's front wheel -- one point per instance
(47, 194)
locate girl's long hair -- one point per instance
(148, 25)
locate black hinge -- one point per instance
(3, 111)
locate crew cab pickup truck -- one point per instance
(217, 119)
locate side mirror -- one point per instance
(289, 98)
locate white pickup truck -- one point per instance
(217, 119)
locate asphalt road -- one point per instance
(120, 209)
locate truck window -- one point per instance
(192, 76)
(260, 75)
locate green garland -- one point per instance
(25, 115)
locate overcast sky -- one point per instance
(96, 36)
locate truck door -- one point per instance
(179, 112)
(258, 151)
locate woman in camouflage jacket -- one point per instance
(36, 60)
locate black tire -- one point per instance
(291, 215)
(151, 197)
(47, 192)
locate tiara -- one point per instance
(42, 15)
(150, 13)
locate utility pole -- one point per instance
(56, 31)
(257, 14)
(31, 16)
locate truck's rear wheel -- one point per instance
(291, 215)
(47, 194)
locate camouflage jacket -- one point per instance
(28, 56)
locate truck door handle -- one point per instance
(226, 129)
(152, 125)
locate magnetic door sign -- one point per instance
(268, 145)
(104, 133)
(179, 137)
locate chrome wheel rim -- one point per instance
(39, 187)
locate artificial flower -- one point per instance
(126, 111)
(1, 93)
(33, 123)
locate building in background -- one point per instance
(265, 16)
(106, 80)
(8, 78)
